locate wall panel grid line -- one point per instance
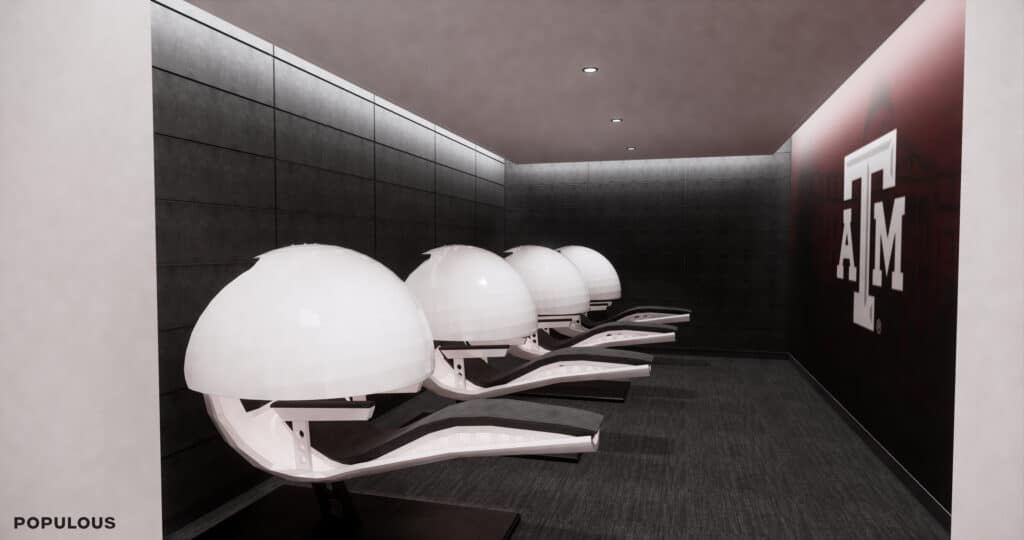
(211, 145)
(318, 77)
(211, 86)
(215, 24)
(273, 83)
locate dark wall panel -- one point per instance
(705, 233)
(253, 152)
(183, 422)
(184, 290)
(197, 233)
(192, 50)
(308, 96)
(172, 350)
(396, 131)
(405, 226)
(456, 155)
(190, 171)
(736, 263)
(300, 140)
(301, 188)
(202, 478)
(893, 368)
(455, 183)
(490, 193)
(490, 227)
(189, 110)
(302, 228)
(490, 169)
(398, 167)
(455, 221)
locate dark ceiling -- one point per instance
(689, 77)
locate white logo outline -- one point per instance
(859, 165)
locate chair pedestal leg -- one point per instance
(338, 513)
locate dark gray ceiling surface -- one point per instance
(690, 77)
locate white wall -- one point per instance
(78, 349)
(988, 448)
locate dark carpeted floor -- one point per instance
(706, 448)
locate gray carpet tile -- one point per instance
(706, 448)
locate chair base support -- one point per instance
(289, 512)
(615, 391)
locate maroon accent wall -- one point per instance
(897, 378)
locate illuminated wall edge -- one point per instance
(221, 25)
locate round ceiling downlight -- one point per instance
(589, 69)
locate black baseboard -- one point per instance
(615, 391)
(940, 512)
(675, 348)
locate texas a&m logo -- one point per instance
(877, 157)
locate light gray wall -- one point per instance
(78, 332)
(988, 442)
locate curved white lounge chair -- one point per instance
(313, 329)
(604, 286)
(477, 306)
(561, 296)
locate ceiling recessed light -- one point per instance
(630, 148)
(616, 120)
(589, 69)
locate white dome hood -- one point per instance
(470, 294)
(555, 284)
(310, 322)
(600, 276)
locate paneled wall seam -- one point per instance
(478, 150)
(215, 87)
(329, 170)
(319, 78)
(484, 179)
(350, 133)
(326, 213)
(191, 446)
(303, 117)
(173, 328)
(400, 112)
(212, 145)
(213, 204)
(373, 128)
(172, 391)
(273, 87)
(219, 31)
(504, 213)
(436, 135)
(227, 262)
